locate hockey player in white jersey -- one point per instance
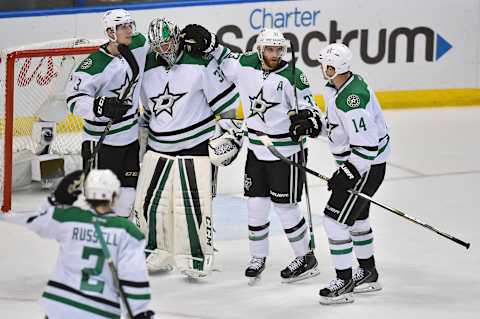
(181, 95)
(266, 86)
(81, 285)
(102, 89)
(359, 141)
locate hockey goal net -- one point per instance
(32, 84)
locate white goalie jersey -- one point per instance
(81, 285)
(267, 97)
(180, 102)
(102, 74)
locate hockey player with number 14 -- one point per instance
(359, 141)
(266, 87)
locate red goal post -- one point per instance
(32, 83)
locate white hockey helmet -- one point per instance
(113, 18)
(336, 55)
(101, 184)
(270, 37)
(164, 39)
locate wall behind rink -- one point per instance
(415, 53)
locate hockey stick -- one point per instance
(132, 62)
(268, 143)
(113, 269)
(302, 157)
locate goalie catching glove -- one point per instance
(223, 150)
(69, 188)
(110, 107)
(305, 122)
(197, 40)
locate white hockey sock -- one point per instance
(340, 243)
(362, 237)
(123, 206)
(258, 225)
(294, 226)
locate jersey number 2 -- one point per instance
(97, 285)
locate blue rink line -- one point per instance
(230, 218)
(131, 7)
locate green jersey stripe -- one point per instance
(257, 238)
(227, 104)
(205, 131)
(363, 242)
(111, 132)
(138, 297)
(79, 305)
(370, 158)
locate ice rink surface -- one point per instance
(433, 175)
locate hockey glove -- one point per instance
(69, 188)
(345, 177)
(305, 122)
(197, 40)
(144, 315)
(110, 107)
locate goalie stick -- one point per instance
(128, 56)
(302, 156)
(268, 143)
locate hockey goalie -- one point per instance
(182, 97)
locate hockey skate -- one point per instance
(300, 268)
(157, 262)
(254, 269)
(366, 280)
(338, 291)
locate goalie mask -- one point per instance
(336, 55)
(272, 38)
(114, 18)
(223, 150)
(164, 39)
(101, 184)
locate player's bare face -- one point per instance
(124, 33)
(272, 55)
(327, 74)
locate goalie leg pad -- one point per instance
(123, 205)
(153, 208)
(193, 215)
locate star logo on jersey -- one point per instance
(259, 106)
(120, 92)
(165, 101)
(330, 128)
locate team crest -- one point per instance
(304, 79)
(353, 100)
(86, 64)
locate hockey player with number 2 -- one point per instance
(104, 89)
(359, 141)
(181, 95)
(266, 86)
(82, 286)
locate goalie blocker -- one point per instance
(173, 208)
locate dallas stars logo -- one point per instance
(165, 101)
(259, 106)
(120, 92)
(330, 128)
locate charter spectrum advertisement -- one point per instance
(395, 43)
